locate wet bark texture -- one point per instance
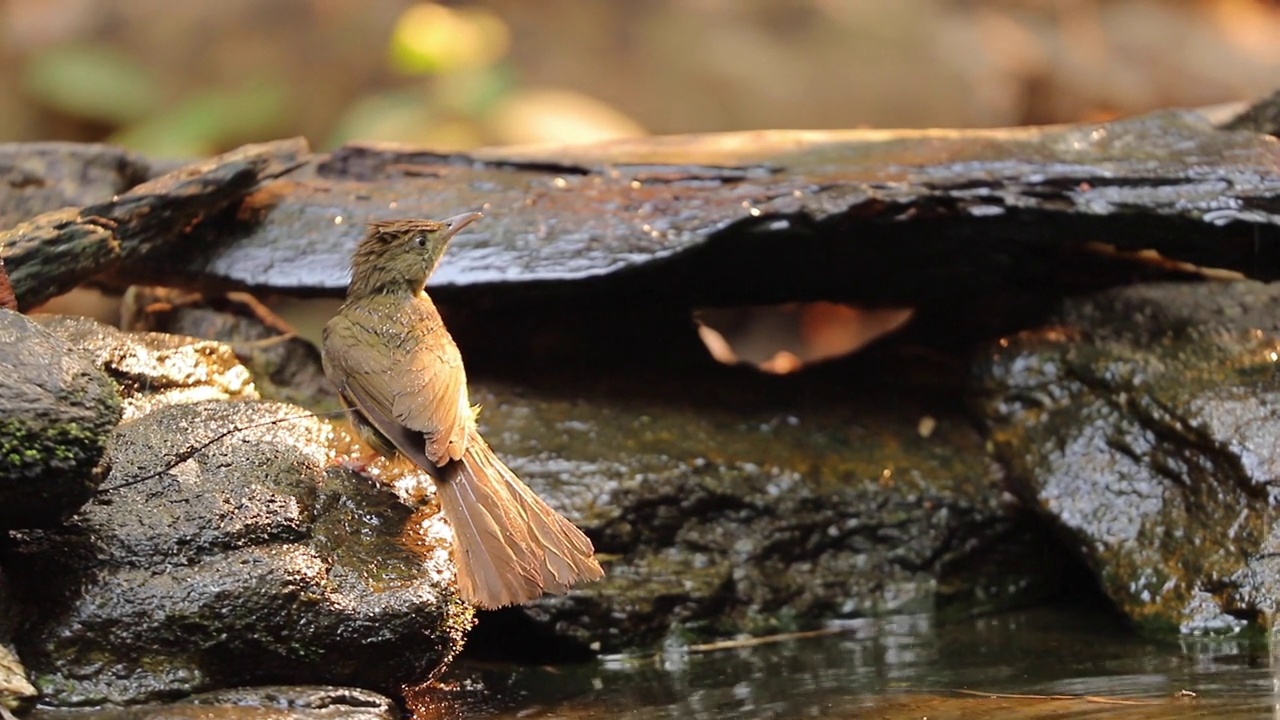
(52, 252)
(701, 218)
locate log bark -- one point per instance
(774, 215)
(58, 250)
(865, 216)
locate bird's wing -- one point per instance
(433, 398)
(411, 443)
(417, 399)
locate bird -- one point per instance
(400, 375)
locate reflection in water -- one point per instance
(891, 667)
(1274, 658)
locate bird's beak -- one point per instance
(453, 224)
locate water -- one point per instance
(898, 667)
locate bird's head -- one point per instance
(399, 253)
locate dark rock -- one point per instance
(8, 613)
(223, 550)
(727, 502)
(256, 703)
(56, 410)
(729, 507)
(8, 301)
(1143, 422)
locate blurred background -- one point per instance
(192, 78)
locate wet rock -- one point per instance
(56, 410)
(285, 367)
(737, 508)
(257, 703)
(223, 546)
(1143, 422)
(225, 549)
(316, 703)
(155, 369)
(725, 502)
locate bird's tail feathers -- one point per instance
(510, 546)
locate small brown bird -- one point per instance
(399, 372)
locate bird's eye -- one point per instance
(421, 240)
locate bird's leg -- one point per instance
(360, 463)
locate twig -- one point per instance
(1022, 696)
(764, 640)
(263, 342)
(194, 450)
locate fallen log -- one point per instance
(58, 250)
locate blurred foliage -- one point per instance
(192, 78)
(448, 82)
(469, 94)
(432, 38)
(92, 81)
(104, 85)
(210, 120)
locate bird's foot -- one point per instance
(359, 463)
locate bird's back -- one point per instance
(393, 353)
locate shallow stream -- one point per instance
(1052, 663)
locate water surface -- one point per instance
(897, 667)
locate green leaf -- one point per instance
(96, 82)
(210, 121)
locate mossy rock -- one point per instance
(56, 410)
